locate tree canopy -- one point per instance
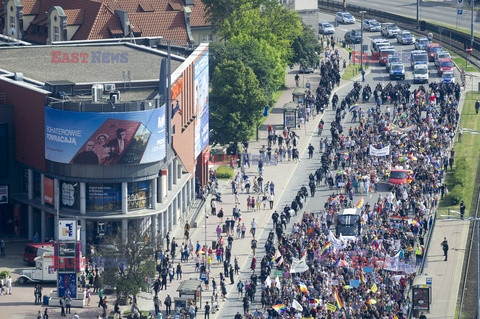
(259, 39)
(306, 49)
(236, 101)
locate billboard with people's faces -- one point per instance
(201, 103)
(92, 138)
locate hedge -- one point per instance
(225, 172)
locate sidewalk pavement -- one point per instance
(280, 174)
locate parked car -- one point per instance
(306, 69)
(431, 49)
(441, 55)
(397, 71)
(390, 30)
(326, 28)
(371, 25)
(345, 18)
(353, 36)
(448, 77)
(405, 37)
(421, 43)
(445, 65)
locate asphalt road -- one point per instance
(428, 10)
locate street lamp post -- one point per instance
(418, 10)
(361, 41)
(471, 33)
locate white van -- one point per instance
(420, 73)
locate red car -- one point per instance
(445, 65)
(399, 177)
(432, 48)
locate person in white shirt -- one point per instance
(254, 227)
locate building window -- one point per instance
(207, 38)
(13, 28)
(139, 195)
(56, 34)
(104, 197)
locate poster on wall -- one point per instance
(67, 284)
(3, 194)
(94, 138)
(104, 197)
(70, 193)
(201, 103)
(48, 191)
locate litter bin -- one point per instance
(46, 299)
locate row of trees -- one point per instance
(257, 40)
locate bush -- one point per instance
(4, 274)
(225, 172)
(455, 195)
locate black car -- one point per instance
(353, 36)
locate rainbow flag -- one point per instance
(360, 203)
(362, 277)
(325, 248)
(338, 300)
(415, 223)
(280, 308)
(375, 243)
(303, 287)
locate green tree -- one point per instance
(127, 265)
(261, 57)
(271, 22)
(219, 11)
(236, 102)
(306, 49)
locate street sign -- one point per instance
(428, 281)
(459, 12)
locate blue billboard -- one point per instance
(201, 103)
(105, 138)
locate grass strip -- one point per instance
(467, 150)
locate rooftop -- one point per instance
(107, 63)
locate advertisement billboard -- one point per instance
(105, 138)
(201, 103)
(67, 285)
(67, 230)
(48, 192)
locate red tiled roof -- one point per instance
(75, 16)
(30, 6)
(198, 17)
(97, 18)
(169, 25)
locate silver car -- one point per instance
(371, 25)
(344, 17)
(326, 28)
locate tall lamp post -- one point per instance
(471, 29)
(361, 40)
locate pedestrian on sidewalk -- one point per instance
(168, 304)
(244, 230)
(207, 311)
(477, 106)
(445, 248)
(310, 150)
(271, 201)
(462, 209)
(363, 75)
(253, 228)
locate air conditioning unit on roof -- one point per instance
(108, 87)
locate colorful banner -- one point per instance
(201, 104)
(67, 285)
(100, 138)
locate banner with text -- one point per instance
(385, 151)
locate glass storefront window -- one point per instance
(104, 197)
(139, 195)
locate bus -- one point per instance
(349, 224)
